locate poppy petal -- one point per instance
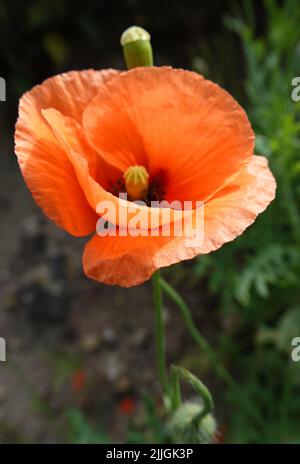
(172, 119)
(236, 207)
(69, 92)
(69, 135)
(128, 261)
(45, 167)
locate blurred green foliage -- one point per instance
(82, 432)
(256, 278)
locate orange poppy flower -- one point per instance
(79, 132)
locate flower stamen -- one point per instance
(136, 182)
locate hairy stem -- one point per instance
(159, 331)
(197, 336)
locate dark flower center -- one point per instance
(156, 190)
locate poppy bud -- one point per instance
(185, 427)
(136, 182)
(136, 47)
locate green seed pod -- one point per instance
(136, 47)
(184, 427)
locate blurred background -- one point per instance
(80, 355)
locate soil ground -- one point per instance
(71, 342)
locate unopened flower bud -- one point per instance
(184, 426)
(137, 47)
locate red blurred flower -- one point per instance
(78, 380)
(219, 436)
(126, 405)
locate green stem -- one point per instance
(197, 336)
(175, 390)
(199, 387)
(159, 331)
(210, 353)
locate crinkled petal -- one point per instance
(45, 167)
(174, 120)
(118, 211)
(128, 261)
